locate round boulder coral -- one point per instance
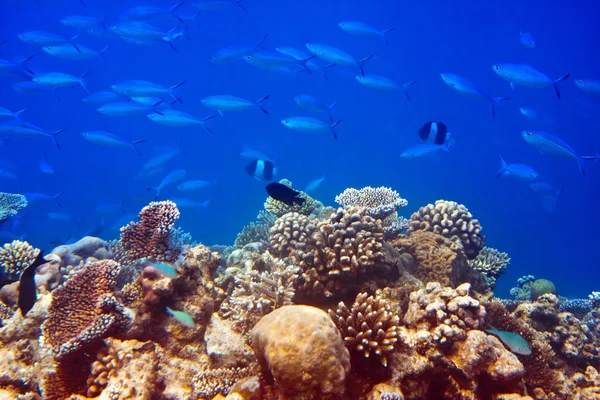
(540, 287)
(304, 352)
(448, 218)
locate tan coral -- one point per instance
(212, 382)
(14, 258)
(279, 209)
(491, 263)
(449, 219)
(304, 352)
(584, 386)
(369, 327)
(380, 202)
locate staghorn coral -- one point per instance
(380, 202)
(11, 204)
(151, 236)
(211, 382)
(14, 258)
(84, 310)
(448, 219)
(491, 263)
(368, 327)
(303, 351)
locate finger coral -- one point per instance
(11, 204)
(151, 236)
(448, 218)
(14, 258)
(380, 202)
(84, 310)
(368, 327)
(491, 263)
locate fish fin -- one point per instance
(24, 64)
(176, 85)
(580, 164)
(360, 62)
(555, 84)
(261, 100)
(206, 128)
(209, 117)
(502, 169)
(175, 7)
(55, 198)
(135, 148)
(83, 3)
(260, 42)
(407, 96)
(304, 61)
(221, 113)
(54, 137)
(18, 116)
(101, 52)
(333, 126)
(155, 109)
(382, 35)
(330, 117)
(82, 82)
(512, 85)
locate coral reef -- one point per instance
(151, 236)
(379, 203)
(14, 258)
(491, 263)
(448, 218)
(540, 287)
(11, 204)
(310, 206)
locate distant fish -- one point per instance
(4, 173)
(275, 59)
(32, 88)
(513, 341)
(184, 202)
(434, 132)
(190, 186)
(519, 171)
(526, 75)
(7, 114)
(80, 22)
(179, 119)
(124, 220)
(127, 109)
(68, 52)
(182, 317)
(60, 216)
(28, 131)
(284, 194)
(310, 103)
(101, 98)
(232, 103)
(261, 170)
(236, 53)
(336, 56)
(362, 29)
(469, 89)
(7, 66)
(139, 88)
(108, 139)
(45, 166)
(41, 38)
(149, 13)
(110, 208)
(27, 290)
(589, 86)
(138, 32)
(527, 40)
(423, 150)
(546, 143)
(309, 125)
(383, 83)
(533, 115)
(546, 194)
(165, 270)
(314, 184)
(249, 152)
(173, 177)
(59, 79)
(37, 197)
(160, 160)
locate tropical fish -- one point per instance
(27, 290)
(101, 98)
(423, 150)
(469, 89)
(26, 130)
(231, 103)
(236, 53)
(314, 184)
(108, 139)
(139, 88)
(182, 317)
(173, 177)
(383, 83)
(275, 59)
(45, 167)
(7, 114)
(148, 13)
(513, 341)
(165, 270)
(335, 56)
(309, 125)
(520, 171)
(526, 75)
(589, 86)
(190, 186)
(261, 169)
(7, 66)
(285, 194)
(179, 119)
(46, 39)
(125, 109)
(434, 133)
(310, 103)
(189, 203)
(527, 40)
(362, 29)
(68, 52)
(546, 194)
(551, 145)
(59, 79)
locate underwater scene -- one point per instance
(332, 199)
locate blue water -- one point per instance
(462, 37)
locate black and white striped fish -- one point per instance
(434, 133)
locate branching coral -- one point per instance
(251, 233)
(380, 202)
(368, 327)
(151, 236)
(11, 204)
(448, 219)
(491, 263)
(308, 207)
(209, 383)
(84, 310)
(14, 258)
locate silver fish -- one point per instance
(173, 177)
(124, 109)
(527, 40)
(189, 203)
(142, 33)
(589, 86)
(469, 89)
(161, 159)
(423, 150)
(520, 171)
(335, 56)
(526, 75)
(28, 131)
(59, 79)
(46, 39)
(45, 166)
(68, 52)
(190, 186)
(309, 125)
(108, 139)
(232, 103)
(236, 53)
(139, 88)
(149, 13)
(362, 29)
(314, 184)
(273, 59)
(101, 98)
(179, 119)
(310, 103)
(7, 114)
(382, 83)
(80, 22)
(7, 66)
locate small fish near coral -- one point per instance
(27, 290)
(284, 194)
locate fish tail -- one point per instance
(333, 126)
(56, 196)
(83, 3)
(24, 64)
(260, 101)
(171, 91)
(580, 164)
(329, 114)
(18, 115)
(101, 52)
(174, 8)
(304, 61)
(360, 63)
(382, 35)
(556, 82)
(502, 169)
(135, 148)
(260, 42)
(54, 135)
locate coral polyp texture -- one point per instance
(448, 218)
(151, 236)
(84, 310)
(380, 202)
(491, 263)
(11, 204)
(14, 258)
(369, 327)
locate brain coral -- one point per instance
(303, 350)
(380, 202)
(151, 236)
(84, 309)
(448, 219)
(14, 258)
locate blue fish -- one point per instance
(165, 270)
(469, 89)
(45, 166)
(423, 150)
(513, 341)
(183, 318)
(527, 40)
(519, 171)
(546, 194)
(526, 75)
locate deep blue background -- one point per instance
(430, 37)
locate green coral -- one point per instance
(540, 287)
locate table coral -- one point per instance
(303, 351)
(151, 236)
(11, 204)
(448, 219)
(14, 258)
(380, 202)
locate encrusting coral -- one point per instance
(151, 236)
(448, 218)
(14, 258)
(11, 204)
